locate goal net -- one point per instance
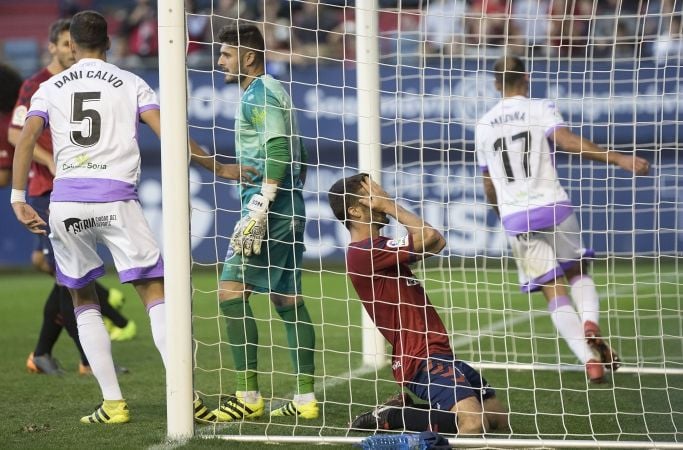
(613, 70)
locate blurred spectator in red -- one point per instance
(199, 41)
(443, 26)
(569, 26)
(10, 82)
(138, 35)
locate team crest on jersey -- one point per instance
(19, 116)
(76, 225)
(397, 243)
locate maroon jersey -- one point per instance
(6, 149)
(396, 302)
(40, 178)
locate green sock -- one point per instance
(301, 341)
(243, 340)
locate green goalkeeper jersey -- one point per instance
(265, 112)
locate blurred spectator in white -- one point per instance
(138, 43)
(668, 48)
(443, 26)
(530, 19)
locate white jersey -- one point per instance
(513, 144)
(93, 110)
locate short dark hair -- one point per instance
(245, 35)
(10, 83)
(509, 70)
(57, 28)
(344, 194)
(89, 30)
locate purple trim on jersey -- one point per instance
(551, 131)
(78, 310)
(77, 283)
(142, 109)
(92, 190)
(153, 304)
(535, 284)
(484, 168)
(42, 114)
(537, 218)
(143, 273)
(557, 302)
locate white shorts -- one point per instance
(542, 255)
(77, 228)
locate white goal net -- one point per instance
(613, 70)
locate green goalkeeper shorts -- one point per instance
(278, 268)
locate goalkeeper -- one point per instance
(267, 245)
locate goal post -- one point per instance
(399, 99)
(176, 219)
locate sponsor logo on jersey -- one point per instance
(76, 225)
(396, 364)
(397, 243)
(19, 116)
(82, 161)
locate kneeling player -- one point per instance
(460, 400)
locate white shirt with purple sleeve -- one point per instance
(93, 109)
(514, 145)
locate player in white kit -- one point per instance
(93, 110)
(515, 142)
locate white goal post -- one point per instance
(400, 102)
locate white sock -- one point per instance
(157, 320)
(586, 298)
(249, 396)
(302, 399)
(97, 347)
(567, 322)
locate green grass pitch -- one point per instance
(479, 304)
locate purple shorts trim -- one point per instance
(537, 218)
(443, 381)
(535, 284)
(78, 310)
(42, 114)
(143, 273)
(92, 190)
(77, 283)
(153, 304)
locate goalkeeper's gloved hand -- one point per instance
(251, 229)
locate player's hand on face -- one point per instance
(29, 217)
(379, 199)
(243, 174)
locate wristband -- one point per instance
(17, 196)
(269, 190)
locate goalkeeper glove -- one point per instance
(251, 229)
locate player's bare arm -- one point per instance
(40, 155)
(426, 238)
(23, 154)
(228, 171)
(574, 143)
(490, 192)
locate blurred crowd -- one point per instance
(320, 31)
